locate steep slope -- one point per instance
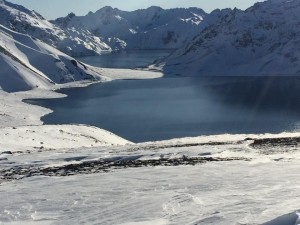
(71, 41)
(151, 28)
(263, 40)
(28, 63)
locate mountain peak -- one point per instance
(71, 15)
(107, 9)
(156, 8)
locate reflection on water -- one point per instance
(144, 110)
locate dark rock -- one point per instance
(6, 153)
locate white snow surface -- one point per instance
(49, 137)
(261, 185)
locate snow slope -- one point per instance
(50, 137)
(238, 179)
(28, 63)
(151, 28)
(262, 40)
(74, 42)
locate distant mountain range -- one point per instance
(262, 40)
(108, 29)
(152, 28)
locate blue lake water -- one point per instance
(146, 110)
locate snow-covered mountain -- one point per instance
(262, 40)
(72, 41)
(108, 28)
(151, 28)
(28, 63)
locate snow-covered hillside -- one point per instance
(224, 180)
(262, 40)
(76, 42)
(151, 28)
(28, 63)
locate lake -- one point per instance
(147, 110)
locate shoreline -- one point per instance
(16, 116)
(76, 159)
(30, 116)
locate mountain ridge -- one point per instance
(158, 28)
(262, 40)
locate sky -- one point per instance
(58, 8)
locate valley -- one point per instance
(152, 116)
